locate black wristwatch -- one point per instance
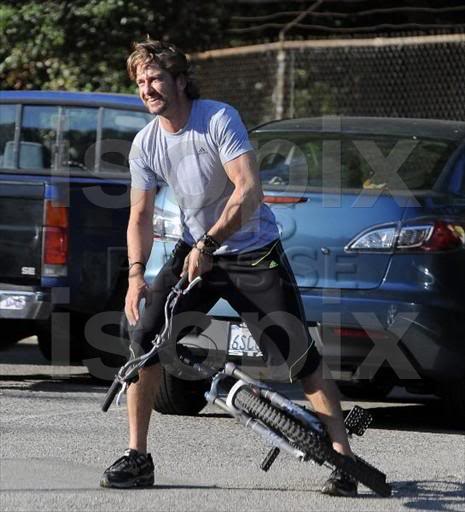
(210, 245)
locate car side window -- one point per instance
(299, 162)
(422, 168)
(282, 164)
(7, 135)
(118, 131)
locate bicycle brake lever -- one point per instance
(192, 284)
(122, 391)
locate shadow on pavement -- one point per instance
(22, 367)
(421, 417)
(53, 383)
(431, 495)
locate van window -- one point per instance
(119, 129)
(78, 138)
(38, 136)
(66, 138)
(58, 138)
(7, 135)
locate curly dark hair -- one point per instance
(167, 57)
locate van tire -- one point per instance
(103, 365)
(67, 331)
(13, 330)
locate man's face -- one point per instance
(157, 88)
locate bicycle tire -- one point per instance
(310, 442)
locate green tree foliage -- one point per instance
(83, 44)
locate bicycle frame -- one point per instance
(224, 399)
(128, 374)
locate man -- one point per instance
(200, 148)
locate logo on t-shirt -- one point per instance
(201, 151)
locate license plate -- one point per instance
(15, 302)
(242, 343)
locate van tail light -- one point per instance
(284, 200)
(434, 236)
(55, 240)
(166, 226)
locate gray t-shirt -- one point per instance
(191, 162)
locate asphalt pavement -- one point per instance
(55, 442)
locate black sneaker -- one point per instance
(133, 469)
(340, 484)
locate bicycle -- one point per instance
(281, 423)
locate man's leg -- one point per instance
(141, 394)
(135, 468)
(323, 395)
(140, 399)
(266, 296)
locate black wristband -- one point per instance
(137, 263)
(209, 242)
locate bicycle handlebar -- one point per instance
(180, 284)
(132, 375)
(111, 393)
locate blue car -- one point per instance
(371, 213)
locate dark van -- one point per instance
(64, 206)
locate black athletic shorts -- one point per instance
(259, 285)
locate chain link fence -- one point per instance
(420, 77)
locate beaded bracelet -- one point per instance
(137, 263)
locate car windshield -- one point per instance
(305, 161)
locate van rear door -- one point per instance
(21, 220)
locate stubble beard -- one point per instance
(159, 109)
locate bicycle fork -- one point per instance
(227, 405)
(269, 437)
(356, 422)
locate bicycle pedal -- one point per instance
(270, 458)
(357, 421)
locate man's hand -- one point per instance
(137, 290)
(197, 263)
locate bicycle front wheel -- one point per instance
(310, 442)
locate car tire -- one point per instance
(175, 396)
(452, 394)
(180, 397)
(13, 330)
(368, 391)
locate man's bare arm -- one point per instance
(140, 241)
(140, 226)
(244, 200)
